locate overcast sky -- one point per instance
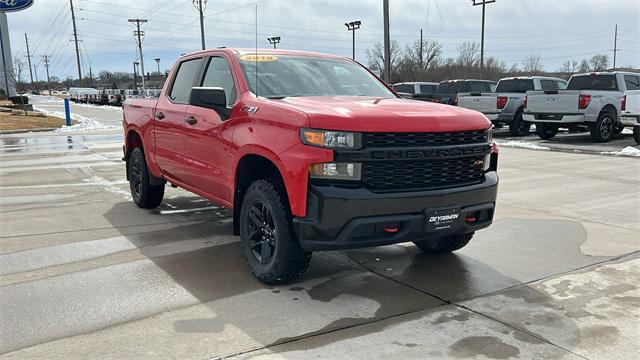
(557, 30)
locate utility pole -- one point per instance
(35, 72)
(139, 34)
(200, 5)
(483, 3)
(26, 39)
(46, 66)
(75, 39)
(158, 62)
(353, 26)
(615, 48)
(387, 41)
(90, 77)
(274, 40)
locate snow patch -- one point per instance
(627, 151)
(523, 145)
(84, 123)
(627, 131)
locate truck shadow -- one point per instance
(340, 290)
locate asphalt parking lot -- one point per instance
(86, 274)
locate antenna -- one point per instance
(256, 55)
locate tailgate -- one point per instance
(563, 101)
(485, 103)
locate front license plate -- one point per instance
(442, 219)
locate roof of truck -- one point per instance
(607, 73)
(249, 51)
(456, 80)
(531, 77)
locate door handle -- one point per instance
(191, 120)
(159, 116)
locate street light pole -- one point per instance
(353, 26)
(483, 3)
(275, 40)
(158, 62)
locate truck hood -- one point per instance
(359, 113)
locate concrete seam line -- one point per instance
(516, 328)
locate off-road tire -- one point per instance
(519, 127)
(603, 128)
(287, 261)
(636, 134)
(546, 131)
(144, 194)
(444, 244)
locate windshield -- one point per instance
(282, 76)
(515, 86)
(593, 82)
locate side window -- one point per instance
(218, 74)
(548, 85)
(632, 82)
(561, 85)
(182, 84)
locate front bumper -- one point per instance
(341, 218)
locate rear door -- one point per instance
(169, 121)
(209, 137)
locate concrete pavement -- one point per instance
(86, 274)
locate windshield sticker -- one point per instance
(260, 58)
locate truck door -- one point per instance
(209, 137)
(169, 121)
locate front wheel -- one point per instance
(519, 127)
(144, 194)
(546, 131)
(603, 128)
(269, 244)
(636, 134)
(445, 244)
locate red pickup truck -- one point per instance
(312, 152)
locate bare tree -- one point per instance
(469, 55)
(375, 57)
(584, 66)
(569, 67)
(599, 62)
(532, 64)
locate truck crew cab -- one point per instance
(591, 99)
(312, 152)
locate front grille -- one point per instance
(378, 140)
(422, 174)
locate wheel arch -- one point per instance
(251, 167)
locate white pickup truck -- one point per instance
(591, 99)
(506, 104)
(630, 108)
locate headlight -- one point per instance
(330, 139)
(336, 171)
(489, 134)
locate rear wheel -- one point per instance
(546, 131)
(144, 194)
(445, 244)
(518, 126)
(603, 128)
(636, 134)
(269, 244)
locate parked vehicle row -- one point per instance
(505, 106)
(113, 97)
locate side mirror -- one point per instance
(208, 97)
